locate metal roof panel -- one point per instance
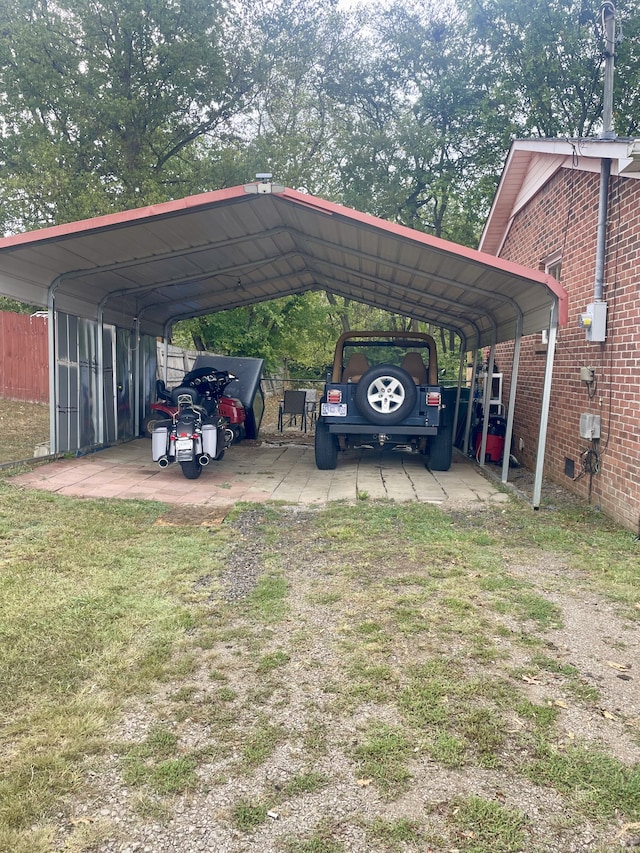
(223, 249)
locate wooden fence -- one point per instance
(24, 358)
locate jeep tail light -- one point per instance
(334, 396)
(434, 398)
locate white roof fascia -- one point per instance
(532, 162)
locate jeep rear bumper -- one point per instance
(340, 427)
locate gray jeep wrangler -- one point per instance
(384, 392)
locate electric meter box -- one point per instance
(589, 426)
(594, 322)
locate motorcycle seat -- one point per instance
(186, 391)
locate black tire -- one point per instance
(326, 447)
(218, 457)
(153, 420)
(191, 469)
(441, 450)
(385, 395)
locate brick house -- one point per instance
(548, 213)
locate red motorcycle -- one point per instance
(162, 411)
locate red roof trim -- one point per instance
(100, 223)
(447, 246)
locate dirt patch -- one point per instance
(192, 516)
(309, 688)
(602, 647)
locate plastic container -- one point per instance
(496, 431)
(210, 440)
(159, 442)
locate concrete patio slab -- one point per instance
(259, 472)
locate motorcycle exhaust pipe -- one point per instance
(163, 462)
(203, 460)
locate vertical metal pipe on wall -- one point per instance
(608, 14)
(601, 237)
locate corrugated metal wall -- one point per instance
(24, 358)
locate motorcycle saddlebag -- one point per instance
(159, 443)
(210, 440)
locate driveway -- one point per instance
(263, 471)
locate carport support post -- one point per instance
(53, 372)
(472, 390)
(137, 366)
(546, 399)
(463, 354)
(512, 401)
(486, 398)
(100, 376)
(53, 366)
(165, 351)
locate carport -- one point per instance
(114, 284)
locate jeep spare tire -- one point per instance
(385, 395)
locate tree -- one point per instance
(309, 47)
(430, 126)
(551, 56)
(103, 101)
(626, 106)
(294, 331)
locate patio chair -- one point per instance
(311, 401)
(294, 405)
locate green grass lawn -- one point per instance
(101, 606)
(22, 426)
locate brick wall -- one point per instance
(563, 215)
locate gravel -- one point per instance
(593, 637)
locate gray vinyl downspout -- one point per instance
(608, 13)
(601, 236)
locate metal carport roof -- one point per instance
(251, 243)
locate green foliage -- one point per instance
(600, 784)
(111, 105)
(261, 742)
(396, 833)
(105, 99)
(438, 130)
(305, 783)
(551, 55)
(247, 815)
(406, 114)
(321, 840)
(295, 330)
(16, 307)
